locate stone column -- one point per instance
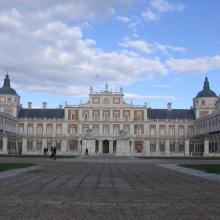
(146, 129)
(132, 147)
(5, 145)
(157, 130)
(34, 145)
(110, 147)
(90, 115)
(131, 129)
(111, 128)
(206, 147)
(100, 129)
(44, 128)
(186, 147)
(79, 147)
(176, 147)
(121, 114)
(111, 115)
(64, 146)
(24, 145)
(167, 147)
(65, 128)
(147, 147)
(101, 114)
(54, 129)
(35, 128)
(157, 147)
(132, 115)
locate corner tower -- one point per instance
(9, 99)
(204, 102)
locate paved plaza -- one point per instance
(107, 188)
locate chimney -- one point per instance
(44, 105)
(60, 106)
(169, 106)
(29, 105)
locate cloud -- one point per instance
(163, 6)
(165, 48)
(158, 7)
(196, 65)
(145, 47)
(124, 19)
(138, 45)
(149, 15)
(149, 97)
(55, 54)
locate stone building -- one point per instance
(106, 124)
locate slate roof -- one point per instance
(180, 114)
(6, 89)
(41, 113)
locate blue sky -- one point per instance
(159, 50)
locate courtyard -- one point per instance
(107, 188)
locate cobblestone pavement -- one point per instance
(108, 190)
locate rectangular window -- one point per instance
(49, 129)
(172, 147)
(30, 129)
(59, 129)
(152, 146)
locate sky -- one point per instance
(159, 51)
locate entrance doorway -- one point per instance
(105, 147)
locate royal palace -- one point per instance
(106, 124)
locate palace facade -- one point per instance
(106, 124)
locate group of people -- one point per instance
(53, 151)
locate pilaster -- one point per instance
(24, 145)
(5, 145)
(147, 147)
(167, 147)
(206, 147)
(186, 147)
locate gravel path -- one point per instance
(107, 190)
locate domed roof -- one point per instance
(6, 89)
(206, 92)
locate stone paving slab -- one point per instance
(109, 190)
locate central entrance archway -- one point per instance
(105, 147)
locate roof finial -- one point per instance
(121, 89)
(91, 89)
(206, 84)
(106, 87)
(6, 81)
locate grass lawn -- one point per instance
(11, 166)
(35, 156)
(182, 158)
(209, 168)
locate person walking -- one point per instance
(52, 152)
(87, 152)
